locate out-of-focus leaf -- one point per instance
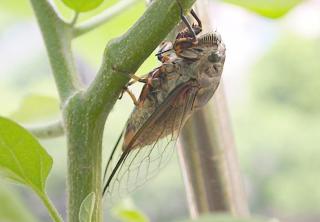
(15, 8)
(22, 158)
(11, 208)
(86, 208)
(127, 212)
(268, 8)
(35, 108)
(126, 215)
(224, 218)
(82, 5)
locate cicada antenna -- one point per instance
(159, 53)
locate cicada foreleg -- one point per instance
(151, 80)
(132, 96)
(187, 38)
(126, 89)
(199, 25)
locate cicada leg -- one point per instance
(188, 37)
(134, 80)
(185, 39)
(137, 79)
(132, 96)
(195, 16)
(186, 22)
(152, 76)
(149, 81)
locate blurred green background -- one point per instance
(272, 84)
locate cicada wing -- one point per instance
(133, 167)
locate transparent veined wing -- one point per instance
(130, 168)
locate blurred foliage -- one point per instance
(12, 209)
(267, 8)
(126, 211)
(223, 218)
(36, 108)
(16, 8)
(290, 70)
(279, 134)
(82, 5)
(87, 207)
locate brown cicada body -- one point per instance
(172, 92)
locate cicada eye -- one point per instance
(214, 57)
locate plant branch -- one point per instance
(102, 18)
(49, 130)
(74, 19)
(57, 38)
(54, 214)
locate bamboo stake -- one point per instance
(208, 157)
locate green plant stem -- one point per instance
(74, 19)
(57, 37)
(49, 130)
(54, 214)
(84, 137)
(102, 18)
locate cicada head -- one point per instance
(210, 61)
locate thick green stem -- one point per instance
(57, 38)
(84, 135)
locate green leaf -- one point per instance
(87, 207)
(82, 5)
(268, 8)
(36, 108)
(22, 158)
(224, 218)
(125, 211)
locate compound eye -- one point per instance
(214, 57)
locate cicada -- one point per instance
(187, 78)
